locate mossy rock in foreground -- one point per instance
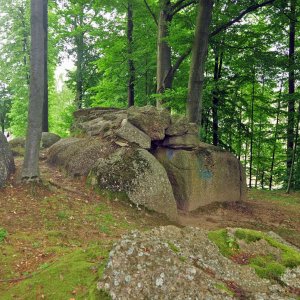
(269, 257)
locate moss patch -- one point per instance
(265, 266)
(226, 244)
(3, 234)
(222, 287)
(73, 276)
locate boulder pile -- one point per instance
(150, 157)
(7, 166)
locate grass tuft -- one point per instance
(3, 234)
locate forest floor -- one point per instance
(56, 237)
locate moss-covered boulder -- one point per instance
(7, 165)
(203, 176)
(174, 263)
(138, 176)
(77, 156)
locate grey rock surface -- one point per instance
(150, 120)
(132, 134)
(203, 176)
(180, 126)
(137, 175)
(186, 141)
(49, 139)
(78, 155)
(173, 263)
(98, 121)
(7, 166)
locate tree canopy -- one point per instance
(133, 52)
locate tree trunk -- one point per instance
(275, 136)
(199, 53)
(215, 106)
(164, 59)
(46, 95)
(30, 170)
(79, 42)
(25, 42)
(291, 102)
(252, 130)
(259, 163)
(291, 174)
(131, 68)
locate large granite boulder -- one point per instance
(136, 175)
(172, 263)
(7, 166)
(49, 139)
(151, 120)
(202, 176)
(77, 156)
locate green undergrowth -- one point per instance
(265, 266)
(73, 275)
(3, 234)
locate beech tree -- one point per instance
(46, 94)
(30, 170)
(199, 52)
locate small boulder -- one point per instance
(136, 175)
(97, 121)
(132, 134)
(17, 146)
(150, 120)
(7, 166)
(186, 141)
(49, 139)
(180, 126)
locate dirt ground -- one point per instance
(46, 222)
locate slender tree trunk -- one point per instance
(252, 130)
(259, 167)
(291, 174)
(46, 95)
(215, 106)
(2, 125)
(30, 170)
(79, 42)
(275, 136)
(291, 102)
(25, 42)
(164, 59)
(199, 53)
(131, 67)
(262, 181)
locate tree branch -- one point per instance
(181, 4)
(180, 59)
(151, 12)
(178, 62)
(240, 16)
